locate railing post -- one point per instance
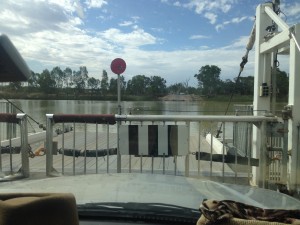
(50, 171)
(262, 178)
(187, 157)
(24, 144)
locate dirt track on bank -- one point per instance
(174, 97)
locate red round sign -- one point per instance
(118, 66)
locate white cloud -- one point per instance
(235, 20)
(211, 16)
(208, 8)
(95, 3)
(177, 3)
(201, 6)
(219, 27)
(125, 23)
(134, 39)
(194, 37)
(291, 12)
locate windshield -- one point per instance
(159, 102)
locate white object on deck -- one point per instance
(217, 145)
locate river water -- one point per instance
(38, 109)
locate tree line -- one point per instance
(78, 82)
(209, 82)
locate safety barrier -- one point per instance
(163, 144)
(14, 161)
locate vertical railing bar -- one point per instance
(107, 145)
(152, 162)
(164, 163)
(223, 153)
(96, 148)
(129, 164)
(249, 150)
(211, 151)
(10, 148)
(63, 149)
(24, 144)
(74, 135)
(235, 162)
(49, 145)
(187, 157)
(199, 146)
(175, 165)
(141, 164)
(85, 147)
(273, 169)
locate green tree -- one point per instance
(113, 85)
(209, 79)
(104, 83)
(157, 86)
(58, 75)
(68, 81)
(245, 85)
(46, 82)
(138, 85)
(93, 84)
(176, 88)
(32, 80)
(79, 79)
(282, 82)
(15, 86)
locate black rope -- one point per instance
(242, 64)
(18, 108)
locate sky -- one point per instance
(168, 38)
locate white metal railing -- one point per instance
(14, 161)
(95, 146)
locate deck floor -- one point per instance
(69, 165)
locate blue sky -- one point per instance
(168, 38)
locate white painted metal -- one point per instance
(194, 118)
(24, 171)
(279, 41)
(262, 61)
(163, 140)
(294, 96)
(218, 146)
(24, 145)
(50, 171)
(182, 144)
(287, 39)
(269, 10)
(143, 140)
(123, 142)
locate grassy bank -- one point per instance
(239, 98)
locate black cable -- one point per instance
(40, 125)
(243, 63)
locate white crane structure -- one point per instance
(274, 37)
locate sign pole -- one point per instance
(119, 96)
(118, 66)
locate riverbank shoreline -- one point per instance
(169, 97)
